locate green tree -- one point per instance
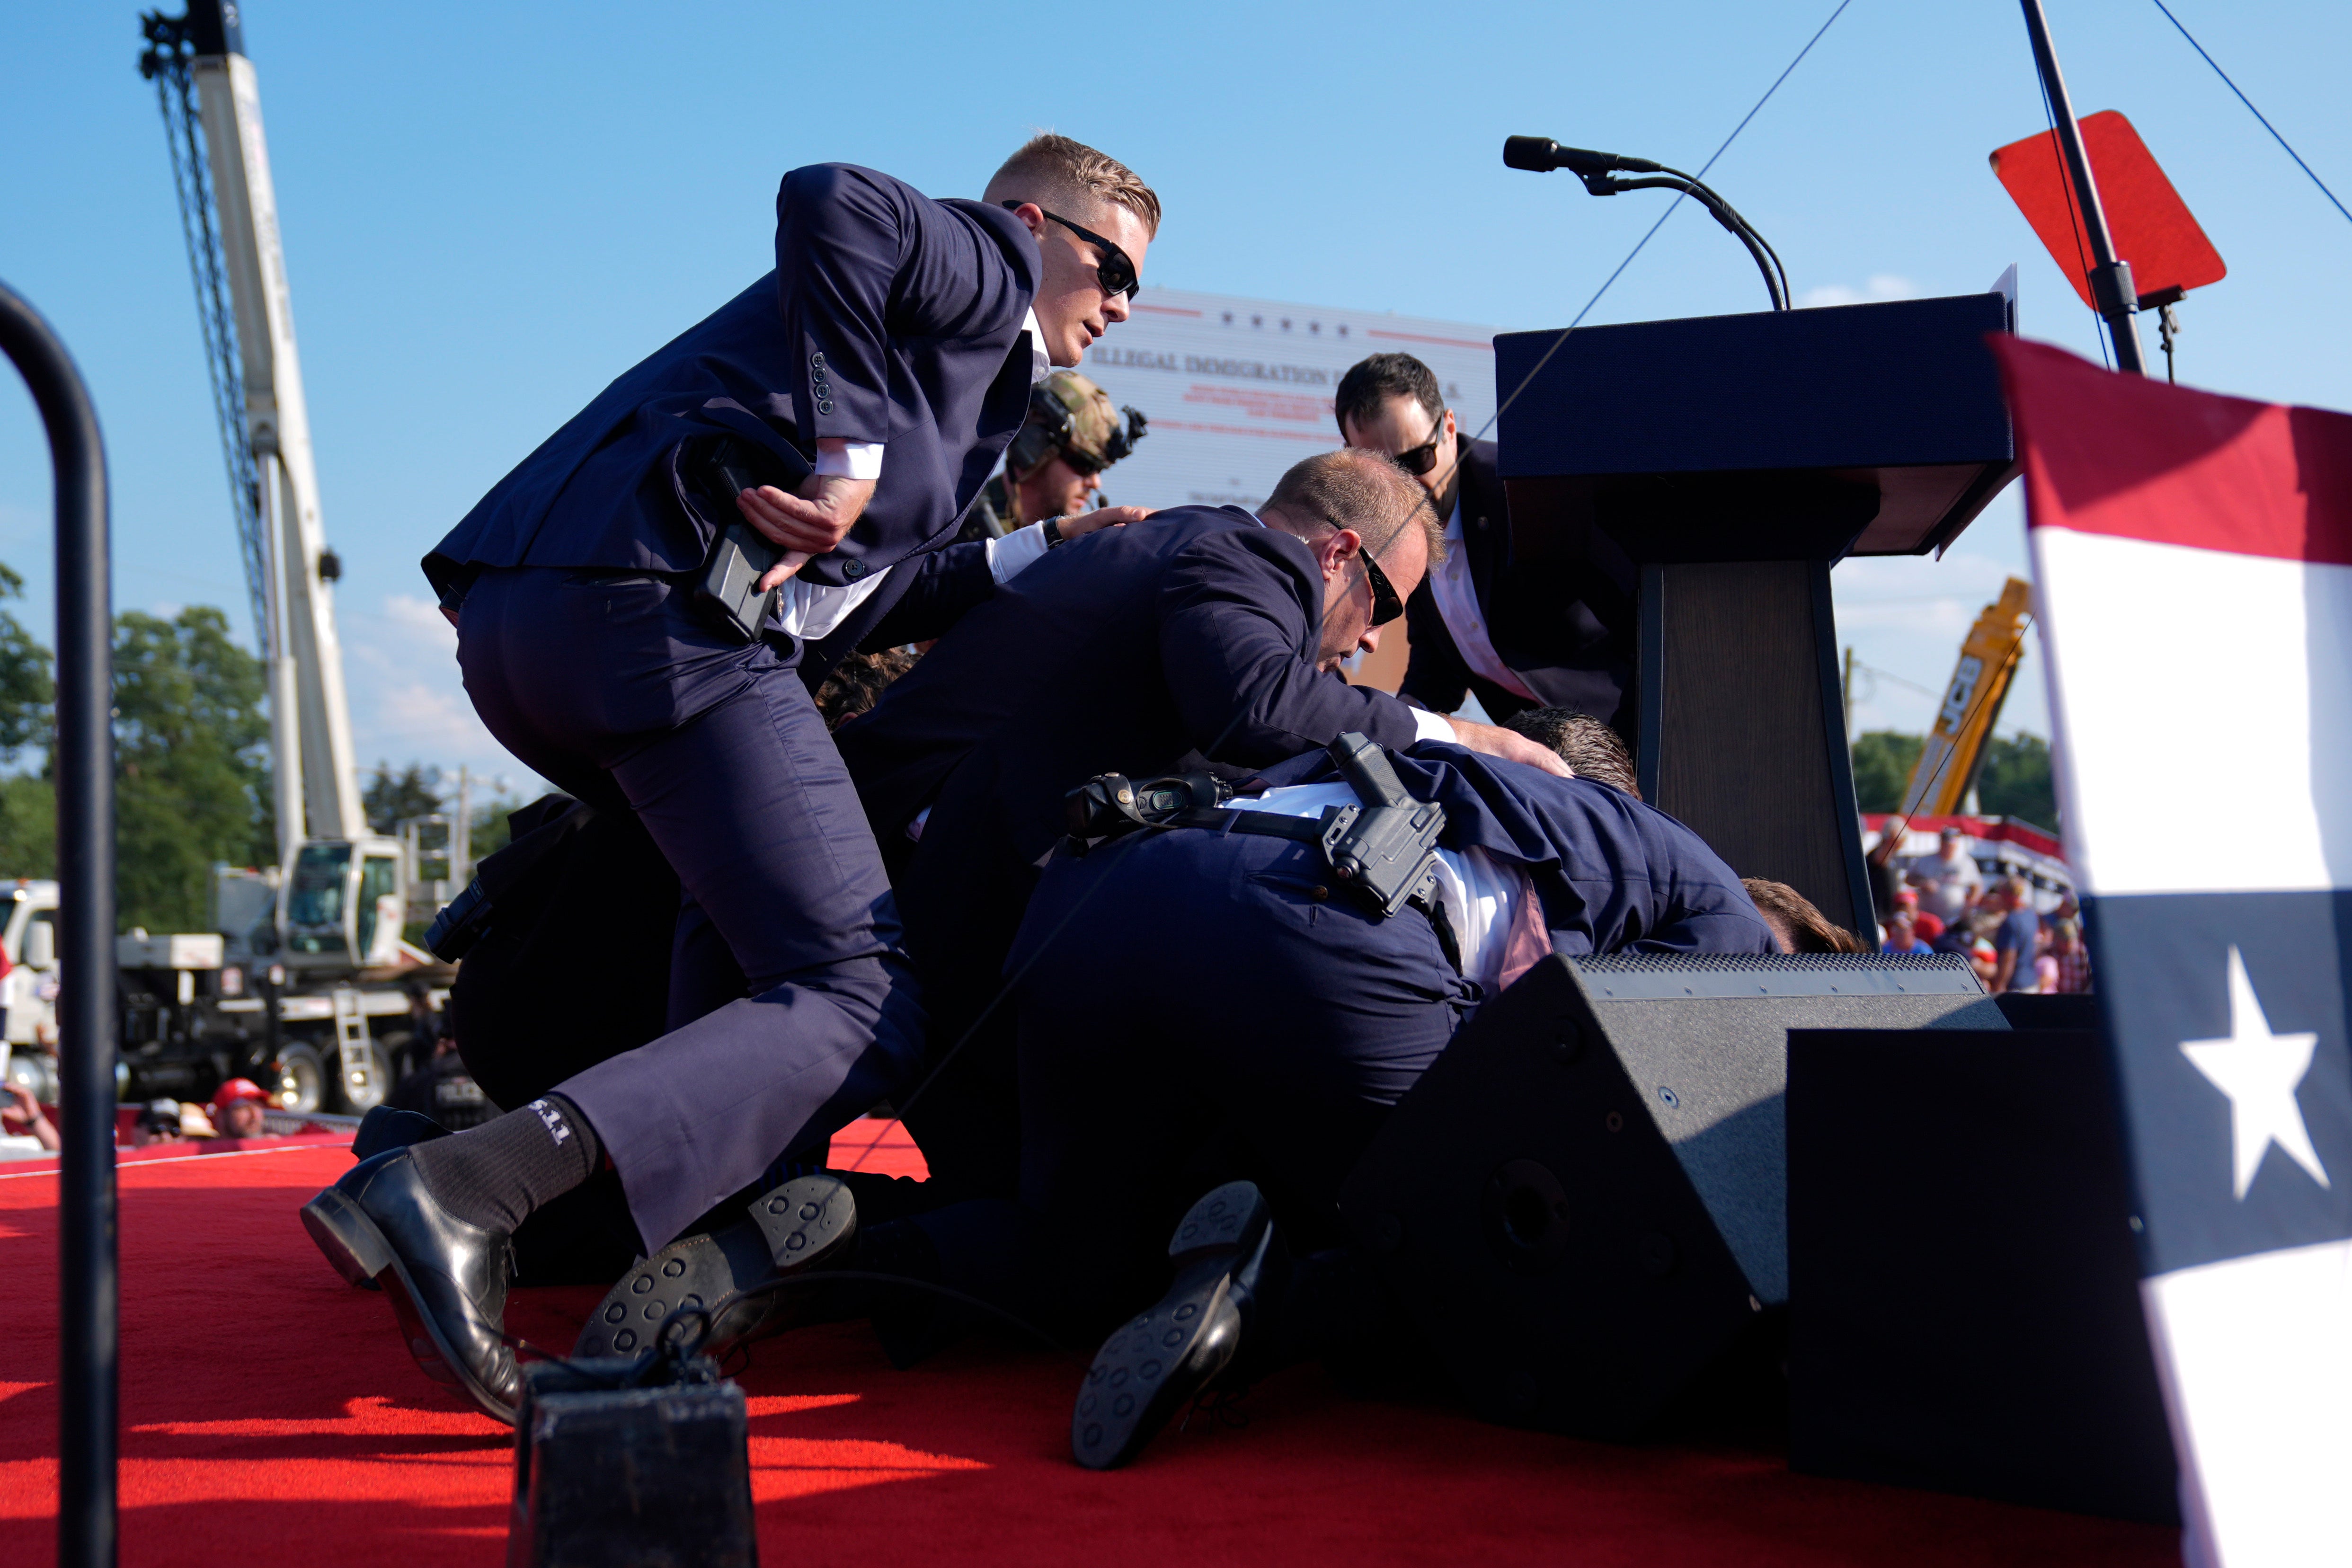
(28, 827)
(191, 764)
(28, 689)
(1882, 760)
(413, 792)
(2014, 780)
(492, 833)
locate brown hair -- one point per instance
(1371, 382)
(1357, 489)
(1050, 170)
(1793, 918)
(1590, 747)
(857, 683)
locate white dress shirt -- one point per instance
(809, 610)
(1457, 601)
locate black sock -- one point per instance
(494, 1175)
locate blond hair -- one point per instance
(1051, 170)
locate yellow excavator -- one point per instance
(1946, 769)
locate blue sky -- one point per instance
(491, 210)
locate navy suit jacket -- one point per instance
(889, 317)
(1124, 651)
(1614, 874)
(1567, 629)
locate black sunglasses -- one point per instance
(1421, 459)
(1115, 271)
(1386, 605)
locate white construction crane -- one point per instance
(311, 727)
(342, 895)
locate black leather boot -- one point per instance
(1230, 1265)
(809, 1222)
(446, 1278)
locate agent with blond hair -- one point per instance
(892, 349)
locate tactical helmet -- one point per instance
(1072, 417)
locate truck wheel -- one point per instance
(301, 1079)
(365, 1085)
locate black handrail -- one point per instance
(91, 1290)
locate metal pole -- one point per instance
(90, 1290)
(2111, 279)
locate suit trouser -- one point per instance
(962, 894)
(791, 1008)
(1198, 1006)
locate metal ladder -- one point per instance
(359, 1062)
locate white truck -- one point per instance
(194, 1009)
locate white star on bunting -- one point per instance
(2259, 1072)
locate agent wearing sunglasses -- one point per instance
(1517, 634)
(892, 348)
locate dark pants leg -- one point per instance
(615, 690)
(1199, 990)
(962, 894)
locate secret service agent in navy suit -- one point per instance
(1204, 630)
(1196, 987)
(1195, 984)
(895, 342)
(1518, 633)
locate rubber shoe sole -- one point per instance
(1159, 1362)
(805, 1223)
(358, 1253)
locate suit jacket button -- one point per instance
(824, 406)
(816, 362)
(853, 570)
(1482, 522)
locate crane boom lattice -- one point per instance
(168, 63)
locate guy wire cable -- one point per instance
(1680, 197)
(2103, 331)
(900, 1111)
(2252, 110)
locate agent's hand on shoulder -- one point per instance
(1510, 746)
(1078, 523)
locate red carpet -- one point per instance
(271, 1416)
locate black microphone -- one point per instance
(1541, 155)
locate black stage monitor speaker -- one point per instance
(1582, 1203)
(1968, 1312)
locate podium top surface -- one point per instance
(1904, 393)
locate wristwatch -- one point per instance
(1052, 530)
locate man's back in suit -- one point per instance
(890, 317)
(1198, 630)
(1124, 651)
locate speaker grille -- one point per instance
(1728, 976)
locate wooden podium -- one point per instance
(1714, 469)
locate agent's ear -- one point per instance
(1338, 548)
(1030, 213)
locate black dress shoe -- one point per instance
(389, 1127)
(807, 1223)
(1228, 1258)
(446, 1278)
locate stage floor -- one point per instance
(269, 1415)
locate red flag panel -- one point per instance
(2122, 455)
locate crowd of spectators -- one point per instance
(1944, 903)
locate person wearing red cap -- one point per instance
(239, 1107)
